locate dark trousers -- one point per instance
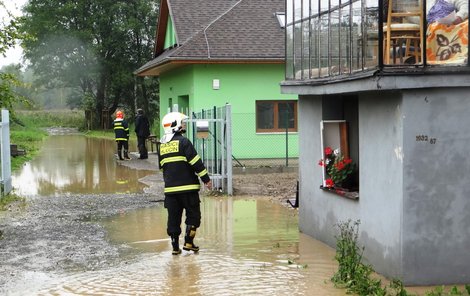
(142, 148)
(122, 144)
(175, 204)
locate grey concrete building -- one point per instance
(401, 113)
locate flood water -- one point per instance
(249, 246)
(76, 164)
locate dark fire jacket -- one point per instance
(121, 130)
(181, 165)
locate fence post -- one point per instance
(214, 116)
(5, 152)
(287, 137)
(228, 122)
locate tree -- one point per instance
(93, 46)
(8, 31)
(9, 36)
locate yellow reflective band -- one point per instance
(121, 139)
(173, 159)
(182, 188)
(118, 127)
(202, 173)
(193, 161)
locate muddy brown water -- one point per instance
(76, 164)
(249, 245)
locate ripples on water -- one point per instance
(248, 247)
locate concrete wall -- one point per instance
(379, 207)
(436, 224)
(381, 180)
(414, 157)
(414, 200)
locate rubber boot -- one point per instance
(189, 239)
(126, 156)
(120, 155)
(175, 243)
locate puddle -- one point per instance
(76, 164)
(248, 247)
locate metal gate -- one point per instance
(211, 133)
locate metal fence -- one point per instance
(5, 156)
(227, 140)
(211, 133)
(252, 149)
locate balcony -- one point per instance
(341, 40)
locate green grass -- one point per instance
(106, 134)
(28, 139)
(52, 118)
(8, 199)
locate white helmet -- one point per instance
(172, 123)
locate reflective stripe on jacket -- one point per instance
(181, 165)
(121, 130)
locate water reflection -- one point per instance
(248, 247)
(76, 164)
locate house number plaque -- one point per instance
(425, 138)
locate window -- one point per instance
(281, 18)
(340, 146)
(332, 38)
(334, 135)
(276, 116)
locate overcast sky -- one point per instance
(14, 54)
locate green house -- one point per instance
(217, 52)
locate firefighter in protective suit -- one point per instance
(121, 133)
(181, 166)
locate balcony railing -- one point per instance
(330, 38)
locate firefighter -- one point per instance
(181, 166)
(121, 133)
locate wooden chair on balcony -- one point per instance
(403, 38)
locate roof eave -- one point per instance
(171, 63)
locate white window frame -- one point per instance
(333, 139)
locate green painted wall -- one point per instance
(177, 85)
(240, 85)
(170, 38)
